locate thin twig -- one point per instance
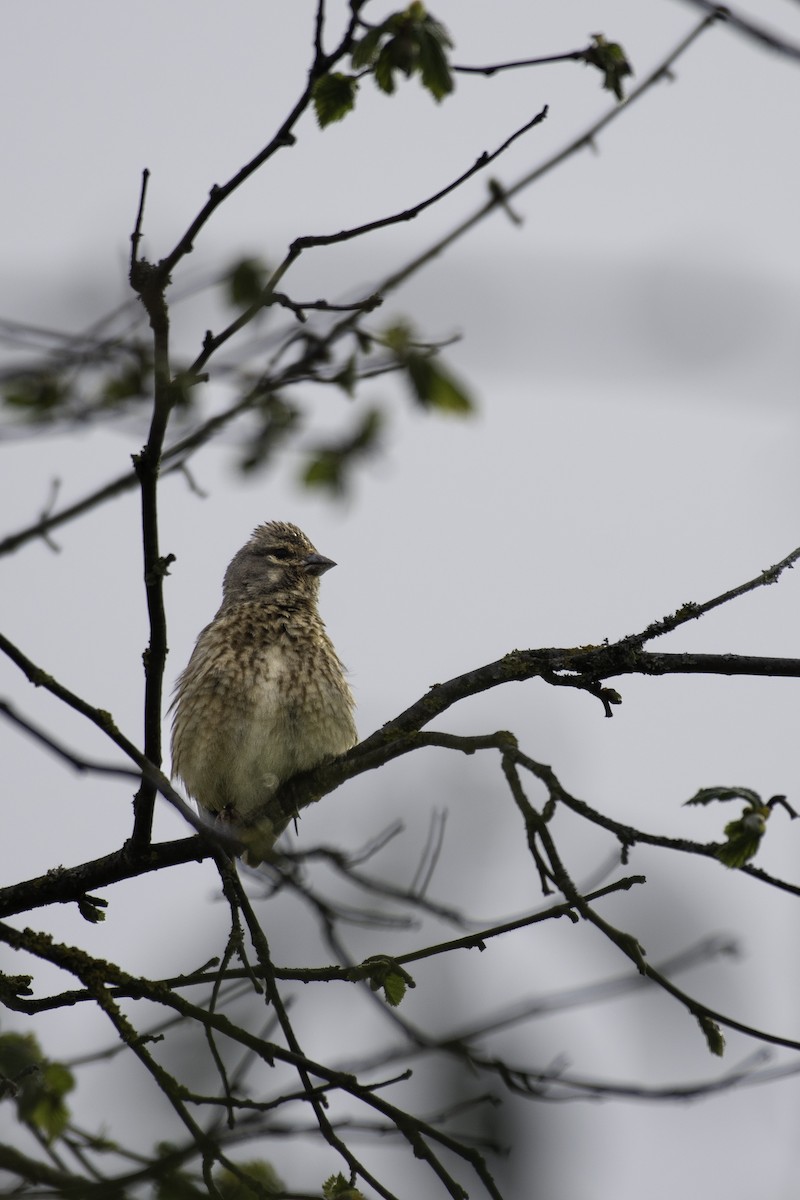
(692, 611)
(79, 763)
(213, 342)
(496, 68)
(583, 141)
(759, 33)
(136, 236)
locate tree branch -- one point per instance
(497, 201)
(584, 141)
(213, 342)
(758, 33)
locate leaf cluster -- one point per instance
(411, 42)
(37, 1086)
(743, 836)
(611, 60)
(95, 381)
(431, 384)
(336, 1187)
(252, 1178)
(385, 974)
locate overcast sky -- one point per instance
(632, 348)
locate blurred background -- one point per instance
(632, 351)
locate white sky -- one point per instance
(633, 350)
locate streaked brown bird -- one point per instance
(263, 696)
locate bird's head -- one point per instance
(279, 562)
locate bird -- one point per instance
(264, 694)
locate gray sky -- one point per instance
(633, 351)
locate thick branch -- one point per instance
(581, 668)
(64, 885)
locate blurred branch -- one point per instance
(33, 1171)
(496, 68)
(174, 457)
(558, 1085)
(586, 140)
(758, 33)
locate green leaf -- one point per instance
(347, 377)
(39, 395)
(383, 72)
(244, 284)
(706, 795)
(744, 837)
(382, 972)
(231, 1187)
(610, 58)
(336, 1187)
(38, 1085)
(713, 1034)
(365, 50)
(434, 68)
(176, 1185)
(334, 96)
(329, 464)
(277, 420)
(324, 470)
(398, 338)
(412, 42)
(132, 381)
(394, 989)
(434, 387)
(91, 908)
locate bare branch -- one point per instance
(496, 68)
(692, 611)
(105, 722)
(759, 33)
(213, 342)
(69, 756)
(584, 141)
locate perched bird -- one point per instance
(263, 696)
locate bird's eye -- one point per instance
(280, 552)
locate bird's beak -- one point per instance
(317, 564)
